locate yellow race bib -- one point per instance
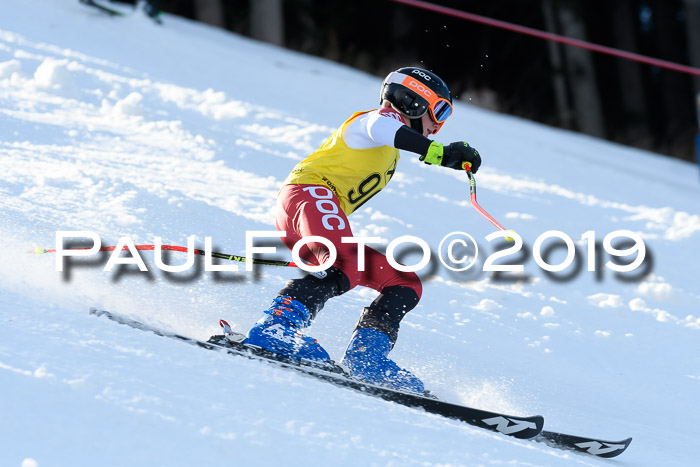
(354, 175)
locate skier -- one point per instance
(349, 168)
(151, 8)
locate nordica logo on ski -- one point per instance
(596, 448)
(508, 426)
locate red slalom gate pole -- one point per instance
(550, 36)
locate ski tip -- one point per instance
(593, 446)
(539, 424)
(606, 449)
(626, 443)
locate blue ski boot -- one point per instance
(366, 358)
(278, 331)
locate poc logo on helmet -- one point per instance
(420, 88)
(420, 73)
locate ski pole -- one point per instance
(268, 262)
(472, 193)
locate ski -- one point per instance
(112, 11)
(530, 428)
(593, 446)
(231, 343)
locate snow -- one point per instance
(126, 128)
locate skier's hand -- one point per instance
(455, 156)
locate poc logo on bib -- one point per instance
(326, 206)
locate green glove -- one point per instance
(455, 156)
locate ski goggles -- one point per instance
(439, 107)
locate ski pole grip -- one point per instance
(466, 165)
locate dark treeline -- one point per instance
(634, 104)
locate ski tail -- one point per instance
(593, 446)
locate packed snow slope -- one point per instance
(124, 128)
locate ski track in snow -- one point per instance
(95, 136)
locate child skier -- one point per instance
(350, 167)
